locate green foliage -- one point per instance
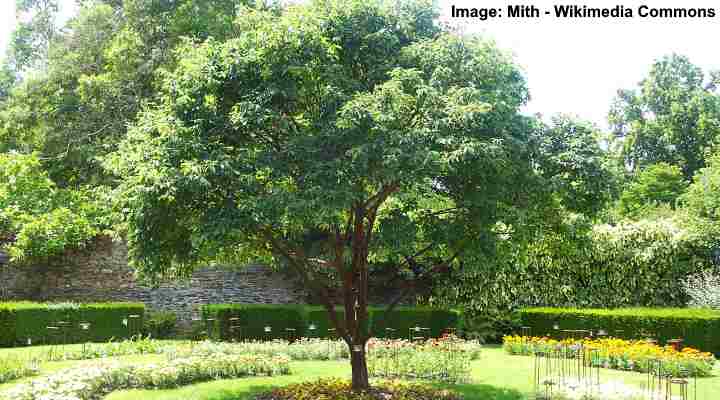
(12, 368)
(304, 115)
(96, 73)
(254, 317)
(29, 321)
(673, 117)
(38, 220)
(640, 263)
(252, 320)
(575, 166)
(403, 319)
(697, 327)
(160, 325)
(657, 184)
(703, 195)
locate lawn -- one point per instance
(497, 376)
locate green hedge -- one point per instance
(402, 319)
(253, 318)
(23, 321)
(699, 328)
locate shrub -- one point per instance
(253, 318)
(342, 390)
(697, 327)
(160, 325)
(402, 319)
(26, 322)
(704, 289)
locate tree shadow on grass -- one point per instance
(484, 392)
(468, 392)
(247, 393)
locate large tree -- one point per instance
(97, 72)
(572, 162)
(673, 117)
(327, 136)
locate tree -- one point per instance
(312, 135)
(673, 117)
(703, 195)
(100, 68)
(658, 184)
(574, 165)
(38, 220)
(36, 30)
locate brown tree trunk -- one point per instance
(358, 361)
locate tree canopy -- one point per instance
(673, 117)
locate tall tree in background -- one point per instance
(100, 69)
(673, 117)
(336, 117)
(574, 165)
(658, 184)
(37, 27)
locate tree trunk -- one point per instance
(360, 379)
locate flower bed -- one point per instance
(94, 382)
(341, 390)
(632, 355)
(301, 350)
(15, 368)
(446, 359)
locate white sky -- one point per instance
(573, 66)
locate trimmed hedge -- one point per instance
(699, 328)
(23, 321)
(402, 319)
(253, 318)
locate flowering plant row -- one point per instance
(94, 382)
(15, 368)
(631, 355)
(446, 359)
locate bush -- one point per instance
(160, 325)
(402, 319)
(253, 318)
(27, 323)
(697, 327)
(704, 289)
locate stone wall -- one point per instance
(101, 273)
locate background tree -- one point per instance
(572, 162)
(339, 118)
(673, 117)
(100, 69)
(36, 29)
(657, 185)
(703, 195)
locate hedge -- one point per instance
(252, 319)
(25, 322)
(699, 328)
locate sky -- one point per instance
(572, 66)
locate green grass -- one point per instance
(496, 376)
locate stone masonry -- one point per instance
(101, 273)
